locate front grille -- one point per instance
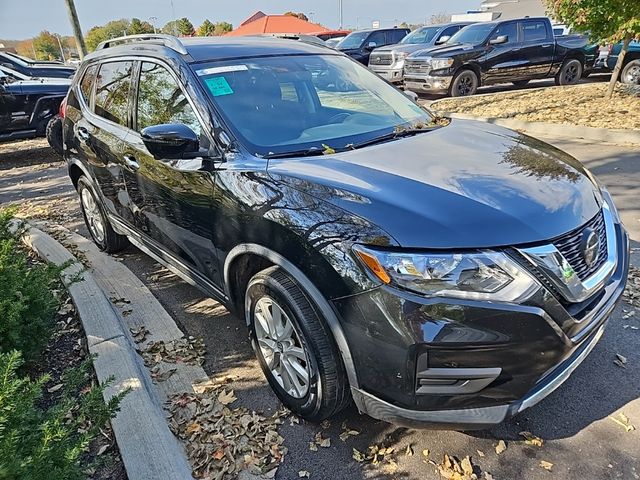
(569, 245)
(382, 58)
(414, 66)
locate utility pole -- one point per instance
(153, 22)
(64, 60)
(173, 16)
(340, 7)
(77, 31)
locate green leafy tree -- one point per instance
(606, 21)
(299, 15)
(206, 29)
(185, 27)
(113, 29)
(222, 27)
(137, 27)
(46, 46)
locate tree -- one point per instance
(182, 27)
(46, 46)
(206, 29)
(137, 27)
(606, 21)
(438, 18)
(25, 48)
(222, 27)
(299, 15)
(171, 28)
(113, 29)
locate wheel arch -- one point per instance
(76, 170)
(265, 257)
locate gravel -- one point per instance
(584, 105)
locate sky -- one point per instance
(20, 19)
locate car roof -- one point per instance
(204, 49)
(379, 29)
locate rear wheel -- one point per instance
(54, 134)
(570, 72)
(294, 346)
(96, 220)
(464, 83)
(631, 73)
(520, 83)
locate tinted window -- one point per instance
(112, 91)
(509, 29)
(376, 37)
(86, 85)
(473, 34)
(534, 31)
(450, 31)
(160, 99)
(421, 35)
(397, 35)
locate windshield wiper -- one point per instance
(407, 132)
(309, 152)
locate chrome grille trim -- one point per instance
(569, 247)
(552, 263)
(381, 58)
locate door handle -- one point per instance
(83, 133)
(131, 162)
(546, 45)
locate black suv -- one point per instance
(359, 45)
(439, 272)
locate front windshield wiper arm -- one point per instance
(406, 132)
(309, 152)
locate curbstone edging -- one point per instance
(148, 448)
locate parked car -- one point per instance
(388, 62)
(439, 272)
(29, 105)
(630, 72)
(35, 69)
(515, 51)
(333, 42)
(331, 34)
(360, 44)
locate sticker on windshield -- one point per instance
(218, 86)
(228, 68)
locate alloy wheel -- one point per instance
(571, 73)
(281, 347)
(632, 75)
(465, 84)
(93, 215)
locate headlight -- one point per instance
(477, 276)
(438, 63)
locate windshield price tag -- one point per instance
(218, 86)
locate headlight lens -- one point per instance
(438, 63)
(479, 276)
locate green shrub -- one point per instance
(27, 303)
(48, 444)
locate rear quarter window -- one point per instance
(86, 84)
(113, 85)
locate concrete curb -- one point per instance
(607, 135)
(148, 448)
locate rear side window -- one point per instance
(113, 85)
(160, 99)
(397, 35)
(534, 31)
(86, 85)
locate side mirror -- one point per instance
(171, 141)
(412, 95)
(371, 45)
(443, 39)
(500, 39)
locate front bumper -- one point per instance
(427, 83)
(393, 74)
(531, 348)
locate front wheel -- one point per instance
(464, 83)
(570, 72)
(294, 346)
(631, 73)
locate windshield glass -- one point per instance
(283, 104)
(473, 34)
(14, 60)
(353, 40)
(422, 35)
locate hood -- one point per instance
(402, 47)
(443, 50)
(53, 86)
(467, 185)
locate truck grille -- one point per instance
(381, 58)
(417, 66)
(569, 245)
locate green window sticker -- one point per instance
(218, 86)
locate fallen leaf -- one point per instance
(623, 421)
(488, 476)
(467, 469)
(101, 450)
(620, 360)
(303, 473)
(218, 454)
(226, 398)
(313, 447)
(358, 456)
(55, 388)
(480, 453)
(409, 451)
(501, 447)
(546, 465)
(425, 452)
(531, 439)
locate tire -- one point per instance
(104, 237)
(54, 134)
(520, 83)
(570, 72)
(464, 83)
(631, 73)
(273, 294)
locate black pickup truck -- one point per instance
(32, 68)
(514, 51)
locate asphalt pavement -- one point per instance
(580, 439)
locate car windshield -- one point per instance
(473, 34)
(285, 104)
(353, 40)
(421, 35)
(14, 60)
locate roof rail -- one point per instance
(170, 41)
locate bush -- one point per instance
(27, 303)
(48, 444)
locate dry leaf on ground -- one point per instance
(501, 447)
(546, 465)
(531, 439)
(452, 469)
(620, 360)
(622, 420)
(187, 350)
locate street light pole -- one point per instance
(64, 60)
(77, 31)
(153, 22)
(173, 16)
(340, 7)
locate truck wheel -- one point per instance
(631, 73)
(96, 220)
(54, 134)
(520, 83)
(464, 83)
(294, 346)
(570, 72)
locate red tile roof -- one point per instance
(276, 24)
